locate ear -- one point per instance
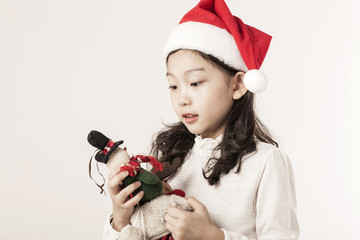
(239, 88)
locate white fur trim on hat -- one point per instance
(208, 39)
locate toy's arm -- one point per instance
(150, 217)
(147, 220)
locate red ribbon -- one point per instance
(134, 165)
(109, 145)
(158, 166)
(167, 237)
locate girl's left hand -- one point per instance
(192, 225)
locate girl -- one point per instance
(241, 185)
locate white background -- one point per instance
(70, 66)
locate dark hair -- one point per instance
(243, 129)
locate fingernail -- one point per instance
(138, 183)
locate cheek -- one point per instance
(220, 101)
(218, 95)
(173, 100)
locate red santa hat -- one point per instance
(211, 28)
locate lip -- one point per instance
(190, 117)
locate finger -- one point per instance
(124, 193)
(176, 212)
(196, 205)
(135, 200)
(170, 227)
(118, 178)
(114, 172)
(116, 181)
(170, 223)
(170, 219)
(117, 173)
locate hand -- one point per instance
(192, 225)
(123, 206)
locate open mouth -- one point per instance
(190, 115)
(189, 118)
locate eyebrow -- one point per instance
(187, 71)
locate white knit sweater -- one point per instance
(257, 203)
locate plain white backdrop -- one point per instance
(71, 66)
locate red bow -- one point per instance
(134, 165)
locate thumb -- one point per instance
(196, 205)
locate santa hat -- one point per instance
(211, 28)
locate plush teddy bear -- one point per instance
(147, 221)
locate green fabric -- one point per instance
(150, 184)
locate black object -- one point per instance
(100, 141)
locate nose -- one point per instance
(184, 98)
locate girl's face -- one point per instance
(201, 94)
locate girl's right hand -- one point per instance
(123, 206)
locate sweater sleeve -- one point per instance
(275, 202)
(127, 233)
(109, 232)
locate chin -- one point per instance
(191, 129)
(194, 131)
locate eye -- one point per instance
(172, 87)
(196, 84)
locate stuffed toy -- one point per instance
(147, 221)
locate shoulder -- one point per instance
(267, 155)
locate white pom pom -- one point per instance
(255, 81)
